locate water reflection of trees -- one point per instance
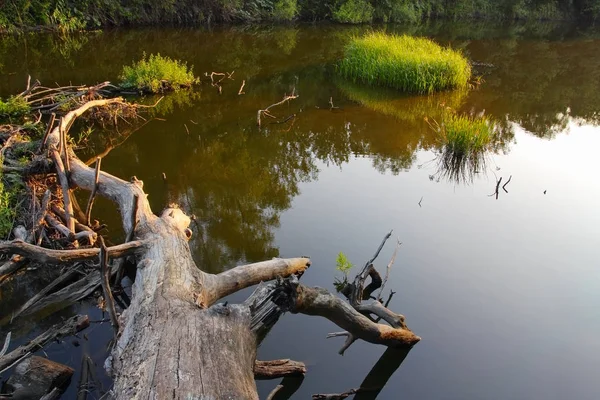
(237, 179)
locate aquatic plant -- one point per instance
(410, 64)
(157, 74)
(464, 139)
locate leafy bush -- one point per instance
(354, 12)
(285, 10)
(7, 210)
(14, 106)
(157, 74)
(415, 65)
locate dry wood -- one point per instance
(88, 235)
(47, 132)
(50, 256)
(108, 297)
(128, 238)
(90, 204)
(69, 327)
(58, 281)
(241, 91)
(40, 221)
(266, 112)
(64, 183)
(36, 376)
(175, 342)
(54, 394)
(278, 369)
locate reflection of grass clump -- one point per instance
(157, 74)
(415, 65)
(14, 106)
(465, 140)
(403, 107)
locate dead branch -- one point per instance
(240, 92)
(389, 267)
(83, 231)
(47, 132)
(507, 182)
(64, 183)
(128, 238)
(266, 112)
(244, 276)
(90, 204)
(108, 297)
(90, 237)
(69, 327)
(57, 282)
(40, 221)
(278, 369)
(50, 256)
(298, 298)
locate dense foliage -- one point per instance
(406, 63)
(71, 15)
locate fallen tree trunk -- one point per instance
(174, 341)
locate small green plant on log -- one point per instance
(343, 265)
(157, 74)
(406, 63)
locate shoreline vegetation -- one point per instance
(77, 15)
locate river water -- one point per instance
(504, 292)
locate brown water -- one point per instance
(504, 293)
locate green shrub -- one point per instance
(157, 74)
(285, 10)
(14, 106)
(354, 12)
(414, 65)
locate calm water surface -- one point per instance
(504, 293)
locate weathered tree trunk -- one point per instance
(174, 342)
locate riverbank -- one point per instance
(75, 15)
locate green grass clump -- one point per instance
(414, 65)
(14, 106)
(157, 74)
(465, 141)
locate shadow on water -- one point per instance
(239, 180)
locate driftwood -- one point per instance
(36, 377)
(174, 340)
(278, 369)
(266, 111)
(69, 327)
